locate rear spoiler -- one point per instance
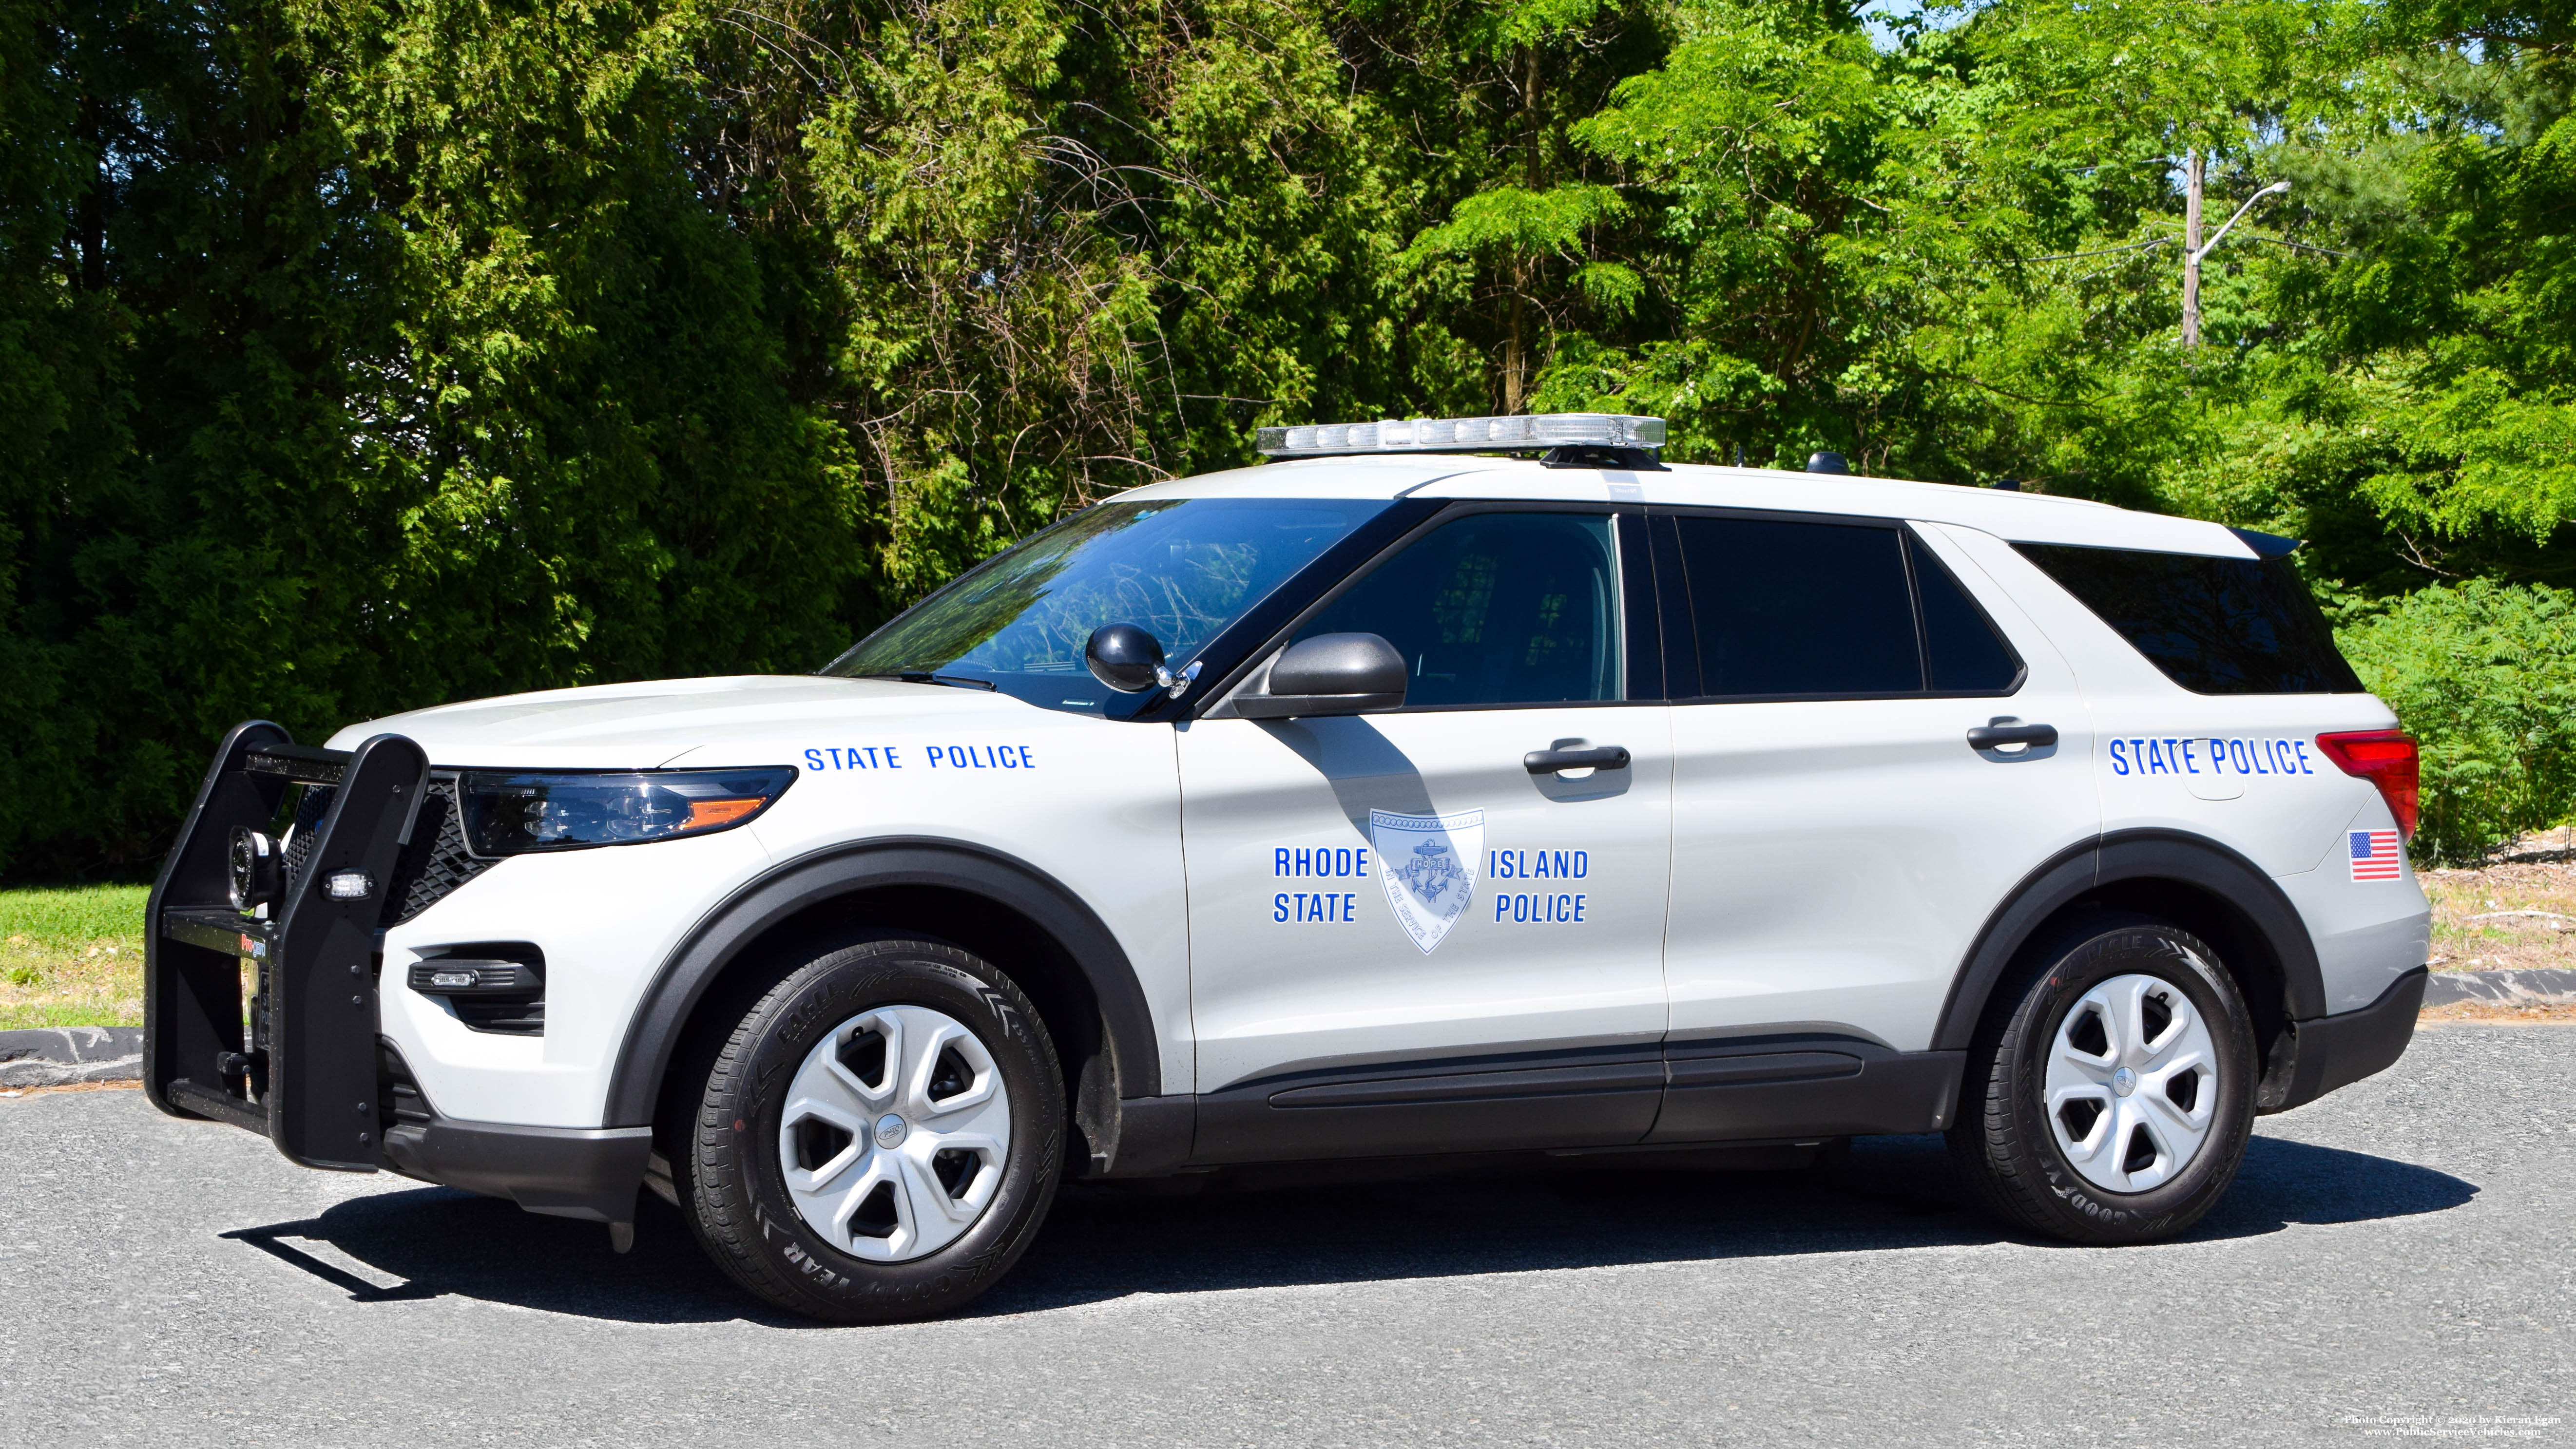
(297, 1063)
(2266, 545)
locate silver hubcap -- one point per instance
(895, 1133)
(2132, 1083)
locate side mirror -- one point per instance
(1327, 675)
(1124, 657)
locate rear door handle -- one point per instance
(1598, 757)
(2006, 730)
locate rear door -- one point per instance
(1839, 839)
(1402, 937)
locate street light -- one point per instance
(2194, 250)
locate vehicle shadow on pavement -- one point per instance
(1892, 1192)
(1103, 1242)
(2285, 1182)
(431, 1242)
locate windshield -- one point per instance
(1181, 569)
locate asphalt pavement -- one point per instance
(2394, 1262)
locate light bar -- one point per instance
(1463, 435)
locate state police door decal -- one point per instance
(1428, 864)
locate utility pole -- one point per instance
(2191, 251)
(1524, 271)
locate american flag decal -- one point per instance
(2374, 855)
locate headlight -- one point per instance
(511, 814)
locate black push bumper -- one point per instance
(300, 1061)
(297, 1062)
(2328, 1052)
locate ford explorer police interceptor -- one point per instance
(1440, 787)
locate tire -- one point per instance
(2078, 1104)
(922, 1154)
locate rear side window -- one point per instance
(1832, 610)
(2213, 625)
(1800, 608)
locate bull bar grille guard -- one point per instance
(306, 1077)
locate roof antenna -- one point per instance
(1739, 455)
(1827, 463)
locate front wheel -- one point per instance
(881, 1136)
(2111, 1103)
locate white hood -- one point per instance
(729, 720)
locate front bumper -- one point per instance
(309, 1056)
(567, 1172)
(2328, 1052)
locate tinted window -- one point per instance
(2213, 625)
(1799, 608)
(1181, 569)
(1496, 609)
(1959, 642)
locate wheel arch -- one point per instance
(975, 898)
(2196, 883)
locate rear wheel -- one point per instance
(881, 1136)
(2111, 1100)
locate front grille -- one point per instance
(435, 863)
(309, 810)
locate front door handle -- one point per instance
(1598, 757)
(2006, 730)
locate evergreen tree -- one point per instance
(359, 356)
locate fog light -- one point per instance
(451, 978)
(348, 885)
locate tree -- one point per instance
(361, 356)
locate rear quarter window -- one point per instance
(2213, 625)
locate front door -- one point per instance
(1403, 936)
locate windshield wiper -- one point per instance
(953, 681)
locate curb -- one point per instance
(2502, 988)
(56, 1056)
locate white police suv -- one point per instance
(1448, 786)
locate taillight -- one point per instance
(2386, 758)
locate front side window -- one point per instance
(1181, 569)
(1495, 609)
(2212, 625)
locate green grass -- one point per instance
(73, 917)
(72, 957)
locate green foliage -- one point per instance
(2475, 453)
(362, 355)
(2485, 678)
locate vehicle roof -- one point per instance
(2021, 517)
